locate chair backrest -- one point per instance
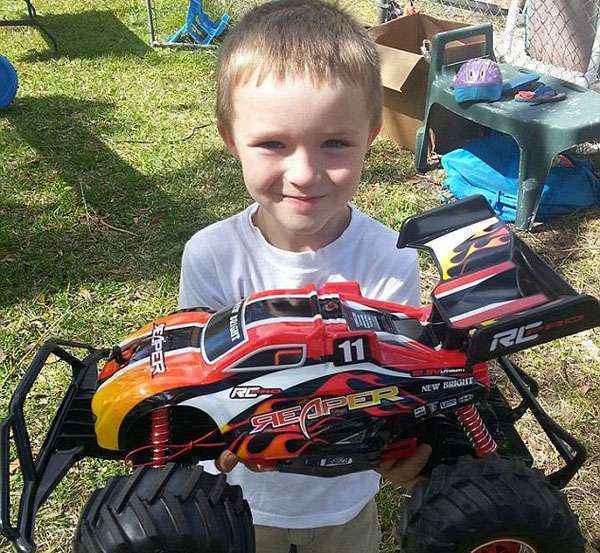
(559, 37)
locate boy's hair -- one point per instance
(291, 38)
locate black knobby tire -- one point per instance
(465, 505)
(175, 509)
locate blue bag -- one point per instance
(490, 166)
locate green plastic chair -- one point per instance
(541, 131)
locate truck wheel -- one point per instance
(491, 505)
(176, 509)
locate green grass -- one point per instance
(93, 223)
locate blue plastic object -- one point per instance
(490, 166)
(8, 83)
(198, 27)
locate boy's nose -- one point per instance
(302, 169)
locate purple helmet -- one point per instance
(478, 79)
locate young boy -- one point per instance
(299, 104)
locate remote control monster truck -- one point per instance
(320, 382)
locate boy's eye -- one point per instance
(335, 143)
(271, 145)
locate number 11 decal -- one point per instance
(351, 350)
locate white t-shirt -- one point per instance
(231, 259)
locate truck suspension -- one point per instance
(160, 435)
(478, 434)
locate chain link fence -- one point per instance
(556, 37)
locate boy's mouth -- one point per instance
(303, 200)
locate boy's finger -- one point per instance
(385, 466)
(412, 483)
(257, 467)
(226, 461)
(421, 456)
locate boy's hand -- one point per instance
(405, 472)
(227, 460)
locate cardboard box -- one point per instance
(404, 74)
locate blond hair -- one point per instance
(298, 38)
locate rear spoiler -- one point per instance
(495, 296)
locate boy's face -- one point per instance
(302, 149)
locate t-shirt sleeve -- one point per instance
(198, 283)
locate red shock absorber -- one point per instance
(160, 434)
(475, 428)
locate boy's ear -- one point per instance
(373, 133)
(227, 138)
